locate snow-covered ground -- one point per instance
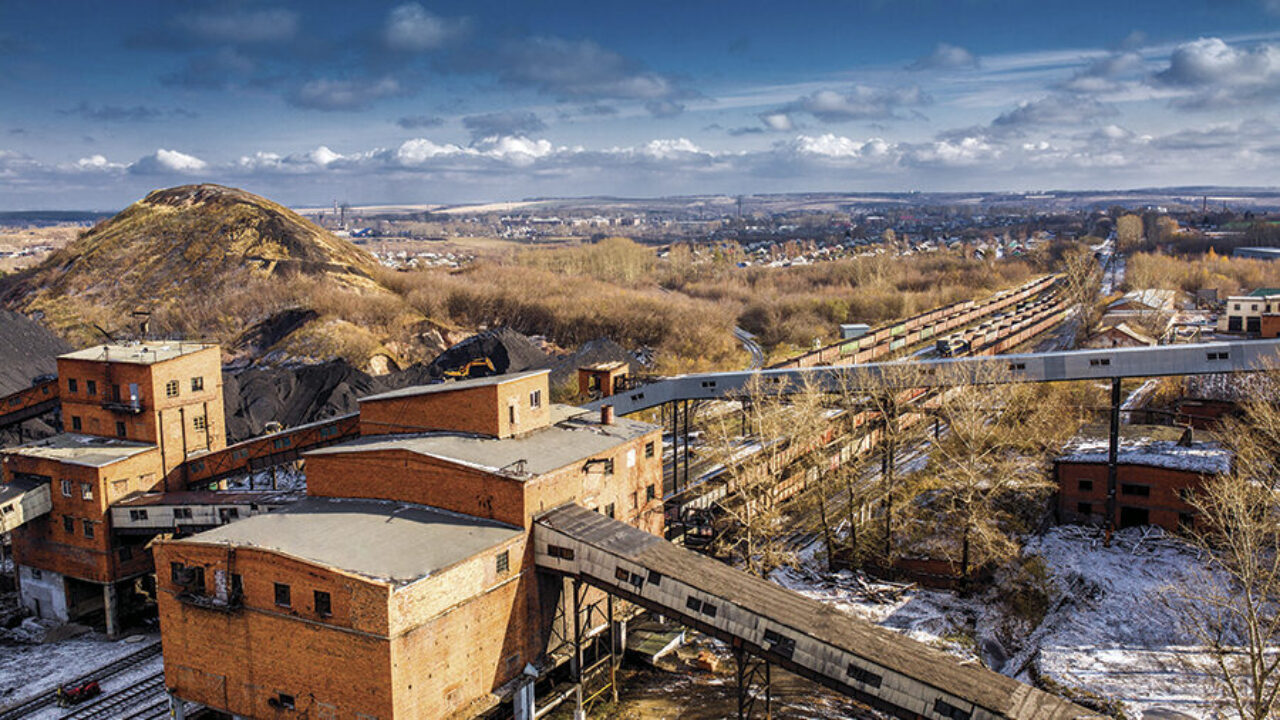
(1113, 630)
(28, 670)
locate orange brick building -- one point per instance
(133, 414)
(404, 584)
(1153, 477)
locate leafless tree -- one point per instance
(1082, 278)
(1232, 608)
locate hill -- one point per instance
(204, 261)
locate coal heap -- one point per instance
(27, 351)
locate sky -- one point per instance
(451, 102)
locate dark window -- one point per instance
(177, 572)
(137, 515)
(693, 604)
(650, 493)
(171, 389)
(608, 509)
(1138, 490)
(227, 515)
(655, 578)
(237, 585)
(75, 422)
(708, 609)
(563, 553)
(281, 443)
(947, 710)
(197, 384)
(68, 523)
(1186, 495)
(511, 414)
(328, 430)
(1218, 356)
(115, 393)
(648, 449)
(866, 677)
(1134, 517)
(196, 578)
(282, 595)
(504, 562)
(71, 385)
(126, 552)
(199, 422)
(1085, 485)
(621, 574)
(535, 399)
(1084, 508)
(286, 701)
(91, 387)
(120, 430)
(1100, 361)
(323, 607)
(182, 513)
(88, 528)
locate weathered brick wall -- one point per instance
(409, 477)
(238, 660)
(481, 410)
(626, 489)
(1164, 504)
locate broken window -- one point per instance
(88, 528)
(282, 595)
(137, 515)
(91, 387)
(648, 449)
(120, 429)
(66, 488)
(68, 523)
(535, 399)
(323, 606)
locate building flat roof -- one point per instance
(391, 542)
(1149, 445)
(77, 449)
(573, 439)
(139, 353)
(452, 386)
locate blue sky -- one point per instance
(426, 102)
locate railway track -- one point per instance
(48, 697)
(116, 704)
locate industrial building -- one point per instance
(133, 414)
(1156, 467)
(1257, 313)
(407, 572)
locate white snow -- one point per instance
(1201, 457)
(28, 670)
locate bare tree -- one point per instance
(1082, 284)
(988, 470)
(1232, 608)
(763, 468)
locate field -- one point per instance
(22, 247)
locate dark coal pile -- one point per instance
(27, 351)
(260, 338)
(508, 350)
(295, 396)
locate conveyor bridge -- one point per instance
(875, 666)
(202, 471)
(29, 402)
(23, 500)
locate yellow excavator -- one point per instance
(466, 370)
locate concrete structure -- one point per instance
(1257, 313)
(603, 379)
(1156, 467)
(134, 414)
(408, 569)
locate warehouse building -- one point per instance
(404, 584)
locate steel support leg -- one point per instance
(613, 652)
(750, 671)
(686, 443)
(110, 608)
(177, 710)
(575, 668)
(1113, 452)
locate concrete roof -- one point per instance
(139, 353)
(443, 387)
(208, 497)
(542, 451)
(391, 542)
(77, 449)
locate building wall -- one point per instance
(1164, 504)
(336, 666)
(626, 489)
(169, 422)
(44, 593)
(464, 632)
(481, 410)
(409, 477)
(46, 544)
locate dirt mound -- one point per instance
(182, 254)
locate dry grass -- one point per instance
(1230, 276)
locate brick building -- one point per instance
(133, 414)
(409, 556)
(1154, 472)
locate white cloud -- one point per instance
(861, 102)
(778, 121)
(330, 94)
(945, 56)
(411, 28)
(1217, 74)
(165, 162)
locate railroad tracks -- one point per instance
(48, 697)
(117, 704)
